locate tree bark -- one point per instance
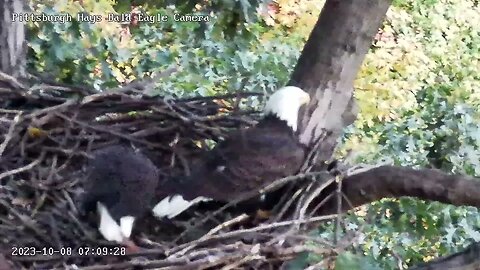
(12, 39)
(328, 65)
(396, 182)
(468, 259)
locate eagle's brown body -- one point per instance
(247, 160)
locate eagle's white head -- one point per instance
(285, 104)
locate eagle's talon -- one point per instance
(131, 247)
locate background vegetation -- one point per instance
(418, 90)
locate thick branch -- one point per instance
(468, 259)
(329, 63)
(395, 182)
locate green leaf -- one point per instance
(299, 263)
(350, 261)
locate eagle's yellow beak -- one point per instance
(305, 99)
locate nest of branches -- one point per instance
(47, 133)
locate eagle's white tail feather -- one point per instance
(126, 225)
(108, 227)
(172, 206)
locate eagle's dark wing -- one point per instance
(137, 189)
(123, 180)
(247, 160)
(100, 183)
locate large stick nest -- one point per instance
(47, 133)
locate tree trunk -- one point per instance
(328, 66)
(12, 38)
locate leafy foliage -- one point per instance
(443, 134)
(104, 55)
(348, 260)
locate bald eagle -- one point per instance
(245, 161)
(120, 184)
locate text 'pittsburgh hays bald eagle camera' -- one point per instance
(121, 183)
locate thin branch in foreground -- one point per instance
(250, 195)
(24, 168)
(10, 131)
